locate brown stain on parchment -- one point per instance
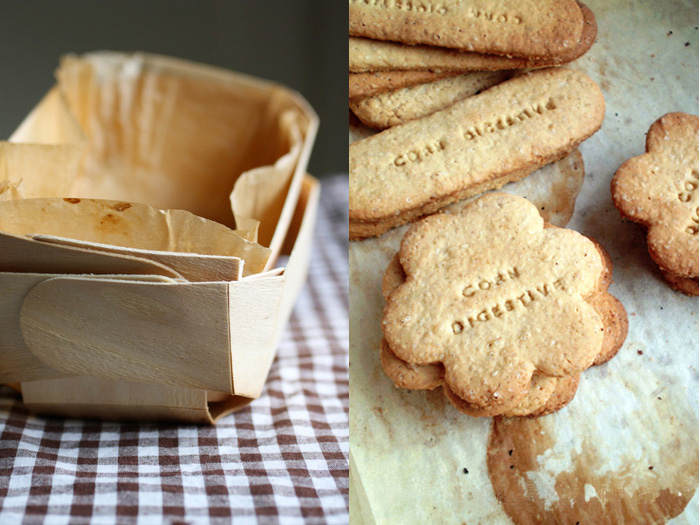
(121, 206)
(111, 222)
(109, 219)
(563, 195)
(621, 497)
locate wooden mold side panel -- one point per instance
(175, 334)
(17, 362)
(92, 397)
(253, 307)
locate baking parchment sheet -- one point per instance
(626, 449)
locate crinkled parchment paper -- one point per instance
(148, 129)
(626, 448)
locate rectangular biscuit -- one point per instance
(392, 108)
(376, 55)
(365, 54)
(363, 85)
(527, 28)
(477, 144)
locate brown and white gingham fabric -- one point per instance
(283, 459)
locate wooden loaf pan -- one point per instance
(125, 291)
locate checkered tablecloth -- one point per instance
(283, 459)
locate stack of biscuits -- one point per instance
(440, 65)
(499, 308)
(494, 305)
(429, 56)
(659, 190)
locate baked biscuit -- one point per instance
(410, 103)
(428, 377)
(363, 85)
(377, 55)
(687, 285)
(659, 190)
(546, 394)
(477, 144)
(365, 55)
(542, 28)
(498, 308)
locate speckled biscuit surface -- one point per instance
(495, 297)
(377, 55)
(365, 54)
(428, 377)
(398, 107)
(545, 394)
(537, 401)
(659, 189)
(537, 28)
(363, 85)
(562, 395)
(472, 146)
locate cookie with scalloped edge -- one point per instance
(659, 189)
(495, 296)
(546, 394)
(428, 377)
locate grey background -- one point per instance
(299, 43)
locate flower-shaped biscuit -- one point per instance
(659, 189)
(495, 295)
(546, 394)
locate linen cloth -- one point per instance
(282, 459)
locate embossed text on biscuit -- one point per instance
(503, 18)
(507, 121)
(689, 187)
(491, 282)
(423, 151)
(419, 153)
(416, 6)
(506, 306)
(688, 192)
(692, 228)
